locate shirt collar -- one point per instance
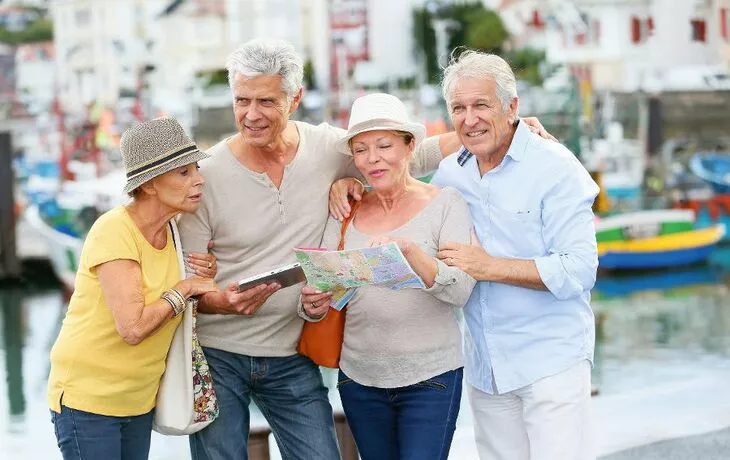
(516, 149)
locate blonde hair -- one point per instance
(405, 135)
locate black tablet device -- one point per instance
(286, 276)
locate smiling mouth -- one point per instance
(476, 133)
(377, 172)
(256, 129)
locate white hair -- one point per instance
(476, 64)
(268, 57)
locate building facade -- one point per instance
(647, 45)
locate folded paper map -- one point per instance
(343, 271)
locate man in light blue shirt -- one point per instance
(529, 333)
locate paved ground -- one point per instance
(710, 446)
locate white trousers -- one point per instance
(548, 420)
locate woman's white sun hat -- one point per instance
(375, 112)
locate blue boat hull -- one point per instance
(720, 188)
(634, 260)
(654, 281)
(623, 193)
(713, 169)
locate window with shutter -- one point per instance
(699, 30)
(536, 20)
(635, 30)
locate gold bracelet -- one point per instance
(176, 299)
(172, 304)
(177, 294)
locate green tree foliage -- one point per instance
(215, 78)
(425, 42)
(478, 27)
(471, 25)
(40, 30)
(528, 65)
(309, 77)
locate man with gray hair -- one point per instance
(529, 334)
(267, 192)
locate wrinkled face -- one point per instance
(261, 108)
(480, 120)
(382, 157)
(180, 188)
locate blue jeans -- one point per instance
(86, 436)
(416, 422)
(291, 396)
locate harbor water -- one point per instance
(661, 367)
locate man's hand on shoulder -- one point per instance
(536, 127)
(339, 192)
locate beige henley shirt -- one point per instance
(255, 226)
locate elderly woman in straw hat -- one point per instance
(401, 365)
(109, 356)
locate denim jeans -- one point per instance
(86, 436)
(416, 422)
(291, 396)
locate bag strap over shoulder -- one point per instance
(354, 205)
(174, 234)
(178, 247)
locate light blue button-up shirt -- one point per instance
(535, 205)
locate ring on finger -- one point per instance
(210, 264)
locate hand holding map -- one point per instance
(342, 271)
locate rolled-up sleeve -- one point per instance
(452, 285)
(569, 232)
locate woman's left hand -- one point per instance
(316, 303)
(201, 264)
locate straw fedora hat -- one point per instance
(154, 147)
(378, 111)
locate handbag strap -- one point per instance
(354, 205)
(192, 303)
(178, 248)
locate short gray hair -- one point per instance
(268, 57)
(476, 64)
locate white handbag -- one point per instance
(186, 401)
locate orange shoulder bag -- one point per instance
(322, 341)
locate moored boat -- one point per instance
(713, 168)
(644, 224)
(708, 211)
(670, 250)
